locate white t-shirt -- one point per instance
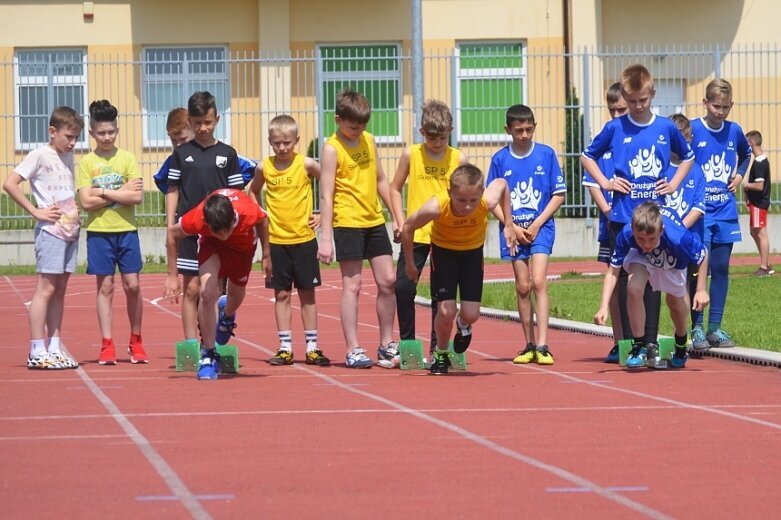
(52, 181)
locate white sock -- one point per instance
(310, 337)
(54, 345)
(460, 324)
(285, 340)
(37, 347)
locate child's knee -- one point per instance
(282, 296)
(469, 315)
(523, 288)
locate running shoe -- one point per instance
(388, 357)
(63, 359)
(42, 361)
(719, 339)
(652, 357)
(462, 339)
(762, 272)
(699, 342)
(636, 357)
(316, 357)
(679, 357)
(441, 363)
(282, 357)
(209, 366)
(225, 324)
(137, 353)
(614, 355)
(357, 358)
(527, 355)
(544, 357)
(108, 354)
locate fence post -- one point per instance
(586, 101)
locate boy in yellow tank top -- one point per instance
(428, 167)
(288, 176)
(459, 220)
(352, 221)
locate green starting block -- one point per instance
(666, 349)
(188, 353)
(411, 356)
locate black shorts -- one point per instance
(457, 270)
(187, 258)
(294, 263)
(361, 243)
(606, 248)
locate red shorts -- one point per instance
(234, 265)
(757, 217)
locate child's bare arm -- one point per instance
(396, 185)
(618, 184)
(256, 184)
(599, 199)
(328, 163)
(12, 187)
(312, 168)
(609, 285)
(553, 206)
(428, 211)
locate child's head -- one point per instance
(178, 126)
(65, 125)
(616, 105)
(283, 135)
(755, 140)
(219, 216)
(202, 108)
(647, 225)
(685, 128)
(520, 125)
(436, 124)
(352, 112)
(466, 189)
(103, 124)
(637, 89)
(717, 101)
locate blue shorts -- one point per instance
(105, 251)
(721, 232)
(543, 243)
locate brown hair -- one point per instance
(200, 103)
(635, 78)
(647, 218)
(754, 137)
(177, 121)
(63, 117)
(466, 175)
(353, 106)
(436, 117)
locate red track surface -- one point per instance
(578, 439)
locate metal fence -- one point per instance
(478, 82)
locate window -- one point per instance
(490, 77)
(171, 75)
(374, 71)
(46, 79)
(669, 98)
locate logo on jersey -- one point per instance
(661, 259)
(608, 155)
(221, 161)
(539, 170)
(645, 164)
(702, 144)
(525, 196)
(507, 173)
(676, 203)
(189, 159)
(717, 169)
(627, 140)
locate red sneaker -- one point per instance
(136, 350)
(108, 353)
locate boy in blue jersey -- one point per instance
(616, 107)
(723, 152)
(537, 190)
(657, 249)
(641, 144)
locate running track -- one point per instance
(578, 439)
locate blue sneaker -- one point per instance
(225, 324)
(209, 366)
(612, 356)
(719, 339)
(699, 342)
(357, 358)
(636, 357)
(679, 357)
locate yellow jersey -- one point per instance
(459, 233)
(289, 200)
(427, 177)
(356, 204)
(111, 174)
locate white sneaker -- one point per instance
(358, 359)
(388, 357)
(43, 361)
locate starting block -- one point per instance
(411, 356)
(188, 353)
(666, 349)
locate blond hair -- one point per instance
(283, 124)
(466, 175)
(635, 78)
(647, 218)
(718, 87)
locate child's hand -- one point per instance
(600, 318)
(172, 290)
(325, 253)
(521, 235)
(734, 183)
(663, 187)
(396, 234)
(52, 214)
(314, 221)
(620, 185)
(701, 300)
(511, 239)
(135, 184)
(412, 272)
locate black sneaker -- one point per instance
(441, 363)
(462, 339)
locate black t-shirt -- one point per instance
(760, 170)
(198, 171)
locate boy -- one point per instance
(641, 143)
(110, 186)
(757, 190)
(50, 172)
(537, 190)
(197, 168)
(459, 218)
(657, 248)
(350, 180)
(288, 176)
(616, 107)
(723, 153)
(428, 167)
(228, 224)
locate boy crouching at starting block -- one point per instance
(657, 248)
(459, 217)
(228, 224)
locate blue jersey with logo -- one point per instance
(247, 167)
(608, 168)
(721, 153)
(678, 247)
(533, 179)
(641, 154)
(690, 196)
